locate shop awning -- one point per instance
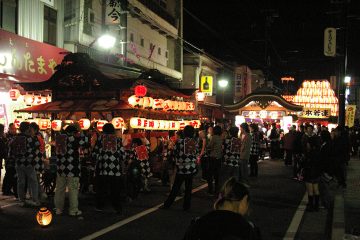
(95, 106)
(78, 106)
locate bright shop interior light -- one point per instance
(347, 79)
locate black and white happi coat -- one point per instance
(143, 160)
(67, 152)
(255, 144)
(109, 154)
(185, 153)
(232, 152)
(26, 151)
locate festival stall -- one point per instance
(264, 106)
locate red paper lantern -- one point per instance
(14, 94)
(140, 91)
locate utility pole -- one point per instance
(341, 118)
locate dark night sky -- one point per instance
(234, 30)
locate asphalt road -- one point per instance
(274, 200)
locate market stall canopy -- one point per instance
(78, 106)
(263, 97)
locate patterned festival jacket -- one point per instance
(67, 151)
(109, 154)
(26, 150)
(232, 151)
(185, 153)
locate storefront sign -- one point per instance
(151, 124)
(330, 42)
(206, 85)
(263, 114)
(316, 113)
(113, 12)
(26, 59)
(350, 115)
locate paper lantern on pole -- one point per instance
(44, 124)
(158, 104)
(84, 123)
(100, 124)
(118, 122)
(44, 217)
(56, 125)
(140, 91)
(14, 94)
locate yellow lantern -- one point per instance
(44, 217)
(56, 125)
(118, 122)
(158, 104)
(84, 123)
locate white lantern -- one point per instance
(134, 101)
(14, 94)
(136, 122)
(192, 106)
(168, 105)
(148, 102)
(84, 123)
(44, 124)
(200, 96)
(158, 104)
(29, 99)
(37, 100)
(263, 114)
(118, 122)
(100, 124)
(56, 125)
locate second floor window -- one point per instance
(50, 26)
(8, 15)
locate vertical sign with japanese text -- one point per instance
(113, 12)
(350, 115)
(330, 42)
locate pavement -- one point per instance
(277, 207)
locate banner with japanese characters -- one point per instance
(316, 113)
(113, 10)
(350, 115)
(26, 59)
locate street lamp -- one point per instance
(347, 80)
(106, 41)
(223, 84)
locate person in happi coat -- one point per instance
(23, 148)
(39, 163)
(68, 168)
(140, 154)
(10, 179)
(230, 163)
(185, 154)
(109, 154)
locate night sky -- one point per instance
(234, 31)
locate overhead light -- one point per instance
(347, 79)
(106, 41)
(223, 83)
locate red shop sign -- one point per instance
(26, 59)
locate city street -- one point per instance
(275, 198)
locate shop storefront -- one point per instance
(24, 60)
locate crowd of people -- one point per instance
(124, 161)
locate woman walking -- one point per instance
(311, 147)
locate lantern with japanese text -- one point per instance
(118, 122)
(37, 100)
(158, 104)
(44, 124)
(29, 99)
(17, 122)
(135, 101)
(56, 125)
(168, 105)
(100, 124)
(148, 102)
(84, 123)
(192, 106)
(176, 106)
(14, 94)
(140, 91)
(182, 106)
(136, 122)
(44, 217)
